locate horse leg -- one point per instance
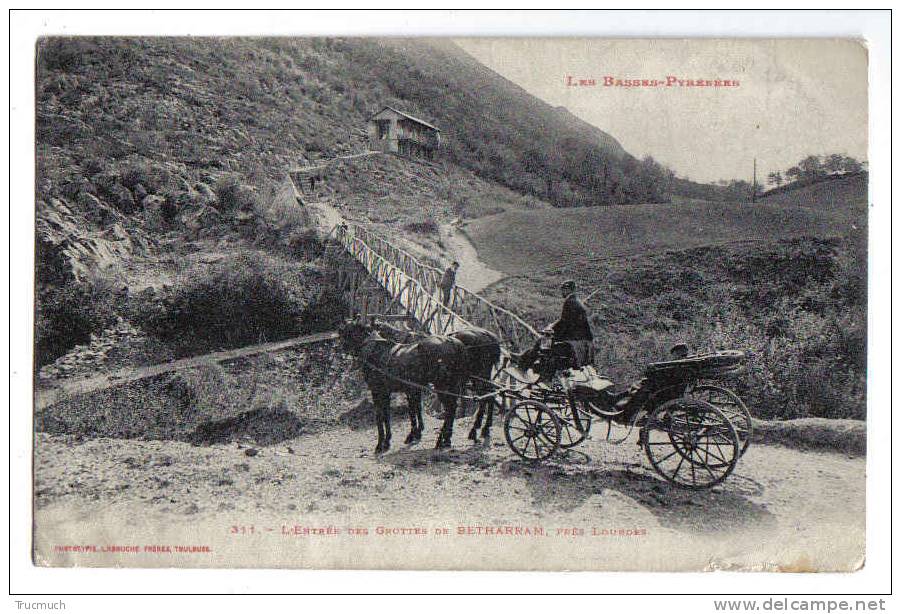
(489, 419)
(486, 407)
(414, 407)
(380, 403)
(480, 414)
(420, 425)
(386, 418)
(449, 402)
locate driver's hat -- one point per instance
(569, 284)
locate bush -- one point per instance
(245, 299)
(155, 178)
(66, 315)
(281, 225)
(232, 195)
(427, 226)
(67, 311)
(315, 144)
(303, 243)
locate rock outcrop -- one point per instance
(88, 243)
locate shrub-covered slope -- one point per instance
(797, 306)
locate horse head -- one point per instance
(353, 334)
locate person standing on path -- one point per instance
(448, 280)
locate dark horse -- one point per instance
(408, 367)
(483, 351)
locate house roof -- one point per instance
(410, 117)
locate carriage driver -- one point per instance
(571, 334)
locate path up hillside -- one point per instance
(407, 200)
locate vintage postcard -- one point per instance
(471, 304)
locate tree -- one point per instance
(793, 173)
(654, 183)
(834, 163)
(547, 165)
(811, 166)
(774, 178)
(739, 190)
(850, 165)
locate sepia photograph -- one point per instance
(451, 303)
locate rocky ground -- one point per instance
(332, 478)
(118, 346)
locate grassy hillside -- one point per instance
(254, 106)
(525, 241)
(165, 148)
(837, 194)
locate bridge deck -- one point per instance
(414, 286)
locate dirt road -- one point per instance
(782, 509)
(474, 275)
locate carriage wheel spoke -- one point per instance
(678, 467)
(515, 439)
(709, 471)
(544, 431)
(709, 453)
(706, 465)
(717, 444)
(671, 454)
(722, 438)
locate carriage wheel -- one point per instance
(532, 430)
(735, 409)
(575, 423)
(691, 443)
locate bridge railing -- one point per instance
(416, 286)
(404, 289)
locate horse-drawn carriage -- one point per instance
(692, 431)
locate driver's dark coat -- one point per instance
(573, 323)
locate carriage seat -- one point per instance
(585, 380)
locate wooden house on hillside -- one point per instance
(393, 131)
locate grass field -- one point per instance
(519, 242)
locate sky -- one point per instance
(794, 97)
